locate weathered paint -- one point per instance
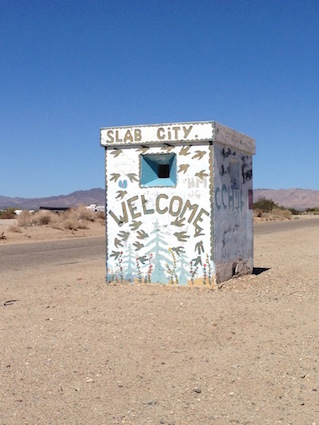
(197, 230)
(233, 215)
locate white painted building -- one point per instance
(178, 203)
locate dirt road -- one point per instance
(76, 351)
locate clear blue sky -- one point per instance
(70, 67)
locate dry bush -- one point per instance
(68, 214)
(85, 214)
(69, 220)
(43, 218)
(72, 219)
(282, 213)
(58, 226)
(57, 220)
(7, 213)
(100, 215)
(25, 219)
(82, 225)
(258, 212)
(70, 224)
(14, 228)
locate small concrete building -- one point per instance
(179, 203)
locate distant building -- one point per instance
(96, 208)
(54, 209)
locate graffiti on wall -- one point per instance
(228, 197)
(232, 200)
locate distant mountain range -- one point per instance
(81, 197)
(299, 199)
(290, 198)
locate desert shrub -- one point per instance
(85, 214)
(313, 210)
(8, 213)
(69, 214)
(100, 215)
(71, 219)
(57, 225)
(70, 224)
(265, 205)
(43, 218)
(258, 212)
(14, 228)
(25, 218)
(294, 211)
(82, 225)
(281, 212)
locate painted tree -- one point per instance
(159, 248)
(183, 273)
(129, 264)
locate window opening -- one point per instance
(163, 171)
(158, 170)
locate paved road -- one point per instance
(284, 226)
(35, 255)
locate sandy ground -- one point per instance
(74, 350)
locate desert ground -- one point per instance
(75, 350)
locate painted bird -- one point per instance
(138, 245)
(121, 194)
(143, 149)
(199, 154)
(116, 152)
(199, 247)
(202, 175)
(167, 148)
(124, 235)
(141, 234)
(183, 168)
(179, 222)
(115, 177)
(179, 250)
(135, 224)
(185, 150)
(132, 177)
(181, 236)
(117, 243)
(116, 254)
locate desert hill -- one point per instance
(80, 197)
(290, 198)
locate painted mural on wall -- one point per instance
(160, 234)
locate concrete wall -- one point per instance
(233, 214)
(191, 225)
(160, 234)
